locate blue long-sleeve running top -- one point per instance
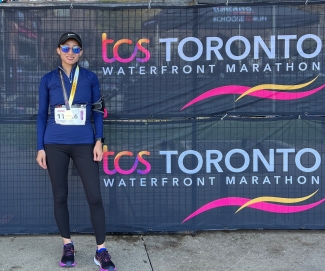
(51, 96)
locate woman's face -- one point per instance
(69, 58)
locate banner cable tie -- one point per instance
(224, 116)
(149, 4)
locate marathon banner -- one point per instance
(215, 116)
(182, 176)
(216, 175)
(174, 62)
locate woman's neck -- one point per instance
(67, 68)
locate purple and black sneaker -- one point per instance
(103, 260)
(67, 259)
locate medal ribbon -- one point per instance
(73, 89)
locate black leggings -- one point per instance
(57, 159)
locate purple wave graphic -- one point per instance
(263, 206)
(265, 94)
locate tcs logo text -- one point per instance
(116, 46)
(117, 158)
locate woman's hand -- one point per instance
(41, 159)
(98, 151)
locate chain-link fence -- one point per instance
(215, 113)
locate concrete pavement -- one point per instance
(207, 251)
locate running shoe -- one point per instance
(103, 259)
(67, 259)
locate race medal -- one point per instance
(68, 115)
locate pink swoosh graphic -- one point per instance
(265, 94)
(264, 206)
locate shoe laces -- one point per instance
(68, 250)
(104, 256)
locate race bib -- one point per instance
(78, 116)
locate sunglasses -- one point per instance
(66, 49)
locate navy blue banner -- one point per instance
(197, 175)
(179, 62)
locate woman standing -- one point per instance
(72, 94)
